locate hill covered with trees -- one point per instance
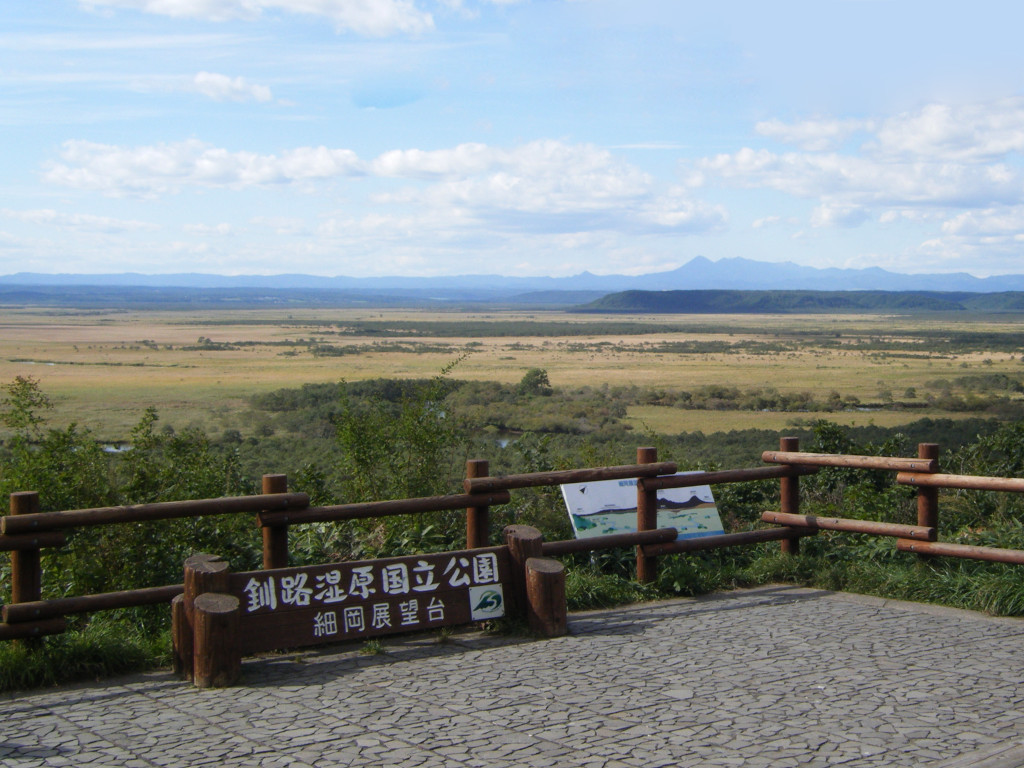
(805, 302)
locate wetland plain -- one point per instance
(103, 368)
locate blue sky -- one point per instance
(541, 137)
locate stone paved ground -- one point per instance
(777, 676)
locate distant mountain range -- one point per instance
(292, 289)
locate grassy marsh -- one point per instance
(103, 368)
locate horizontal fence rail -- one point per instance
(563, 477)
(33, 629)
(992, 554)
(719, 541)
(851, 461)
(370, 509)
(964, 482)
(27, 531)
(720, 477)
(32, 541)
(918, 532)
(107, 601)
(609, 541)
(137, 513)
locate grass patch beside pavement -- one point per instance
(105, 647)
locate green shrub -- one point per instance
(587, 588)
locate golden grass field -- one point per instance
(102, 369)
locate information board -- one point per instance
(609, 506)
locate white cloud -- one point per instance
(77, 221)
(460, 161)
(866, 180)
(281, 225)
(543, 185)
(954, 166)
(771, 221)
(148, 171)
(830, 215)
(945, 133)
(62, 42)
(813, 135)
(366, 17)
(987, 239)
(987, 223)
(222, 229)
(223, 88)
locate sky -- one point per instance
(538, 137)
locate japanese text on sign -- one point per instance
(365, 583)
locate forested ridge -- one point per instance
(812, 302)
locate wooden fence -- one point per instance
(25, 532)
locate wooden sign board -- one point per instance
(295, 607)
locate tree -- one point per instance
(404, 448)
(535, 382)
(22, 405)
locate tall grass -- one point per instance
(107, 646)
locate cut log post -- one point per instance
(217, 661)
(181, 639)
(523, 542)
(546, 610)
(275, 537)
(203, 573)
(478, 519)
(646, 518)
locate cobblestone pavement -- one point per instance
(777, 676)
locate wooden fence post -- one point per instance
(646, 519)
(546, 609)
(523, 542)
(203, 573)
(275, 537)
(478, 519)
(928, 498)
(217, 659)
(789, 496)
(26, 569)
(27, 576)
